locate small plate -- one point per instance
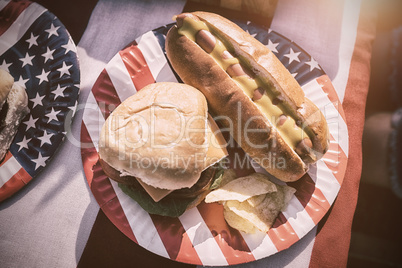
(37, 50)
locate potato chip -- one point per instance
(237, 222)
(242, 188)
(261, 218)
(262, 210)
(278, 200)
(252, 202)
(256, 200)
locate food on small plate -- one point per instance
(253, 94)
(13, 108)
(163, 148)
(251, 203)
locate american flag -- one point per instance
(37, 50)
(200, 236)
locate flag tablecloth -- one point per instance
(55, 221)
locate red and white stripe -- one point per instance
(155, 58)
(348, 33)
(120, 78)
(141, 223)
(202, 239)
(198, 242)
(13, 177)
(25, 14)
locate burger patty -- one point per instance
(203, 184)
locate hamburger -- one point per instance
(13, 108)
(163, 148)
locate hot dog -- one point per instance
(261, 103)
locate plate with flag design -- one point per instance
(201, 236)
(37, 50)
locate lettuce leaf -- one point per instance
(166, 207)
(217, 179)
(170, 207)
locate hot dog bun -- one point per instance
(244, 82)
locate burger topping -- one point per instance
(201, 186)
(172, 205)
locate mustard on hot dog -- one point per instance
(231, 67)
